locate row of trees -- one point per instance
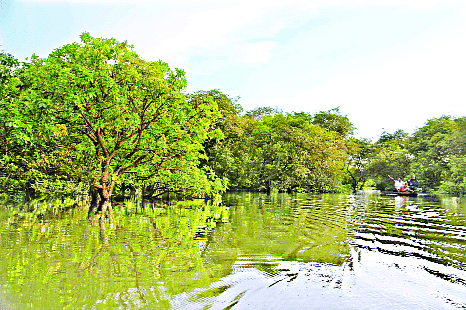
(266, 149)
(95, 117)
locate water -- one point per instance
(263, 252)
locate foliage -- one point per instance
(230, 124)
(260, 112)
(269, 150)
(9, 66)
(391, 157)
(12, 161)
(332, 120)
(453, 177)
(398, 135)
(96, 114)
(431, 147)
(292, 153)
(360, 156)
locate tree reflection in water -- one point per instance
(138, 260)
(279, 251)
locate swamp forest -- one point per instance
(121, 190)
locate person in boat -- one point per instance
(404, 188)
(413, 183)
(400, 185)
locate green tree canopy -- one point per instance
(95, 113)
(390, 157)
(333, 120)
(399, 135)
(360, 153)
(280, 151)
(431, 146)
(259, 112)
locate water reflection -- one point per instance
(141, 260)
(340, 252)
(267, 252)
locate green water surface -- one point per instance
(254, 251)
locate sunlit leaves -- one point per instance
(266, 149)
(98, 112)
(391, 157)
(431, 146)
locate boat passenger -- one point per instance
(413, 183)
(404, 188)
(398, 184)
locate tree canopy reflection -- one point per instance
(142, 259)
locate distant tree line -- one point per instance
(93, 117)
(266, 149)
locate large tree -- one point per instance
(95, 112)
(390, 157)
(432, 146)
(360, 153)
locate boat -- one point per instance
(409, 194)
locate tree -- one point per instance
(391, 157)
(360, 155)
(453, 180)
(223, 150)
(286, 152)
(332, 120)
(432, 148)
(399, 135)
(99, 114)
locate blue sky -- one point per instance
(388, 64)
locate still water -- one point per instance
(254, 252)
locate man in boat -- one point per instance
(400, 185)
(406, 187)
(413, 183)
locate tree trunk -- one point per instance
(106, 202)
(101, 203)
(94, 203)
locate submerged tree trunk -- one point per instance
(94, 203)
(106, 203)
(106, 208)
(101, 203)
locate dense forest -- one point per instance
(94, 118)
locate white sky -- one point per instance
(388, 64)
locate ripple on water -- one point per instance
(270, 252)
(393, 255)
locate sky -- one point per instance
(386, 64)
